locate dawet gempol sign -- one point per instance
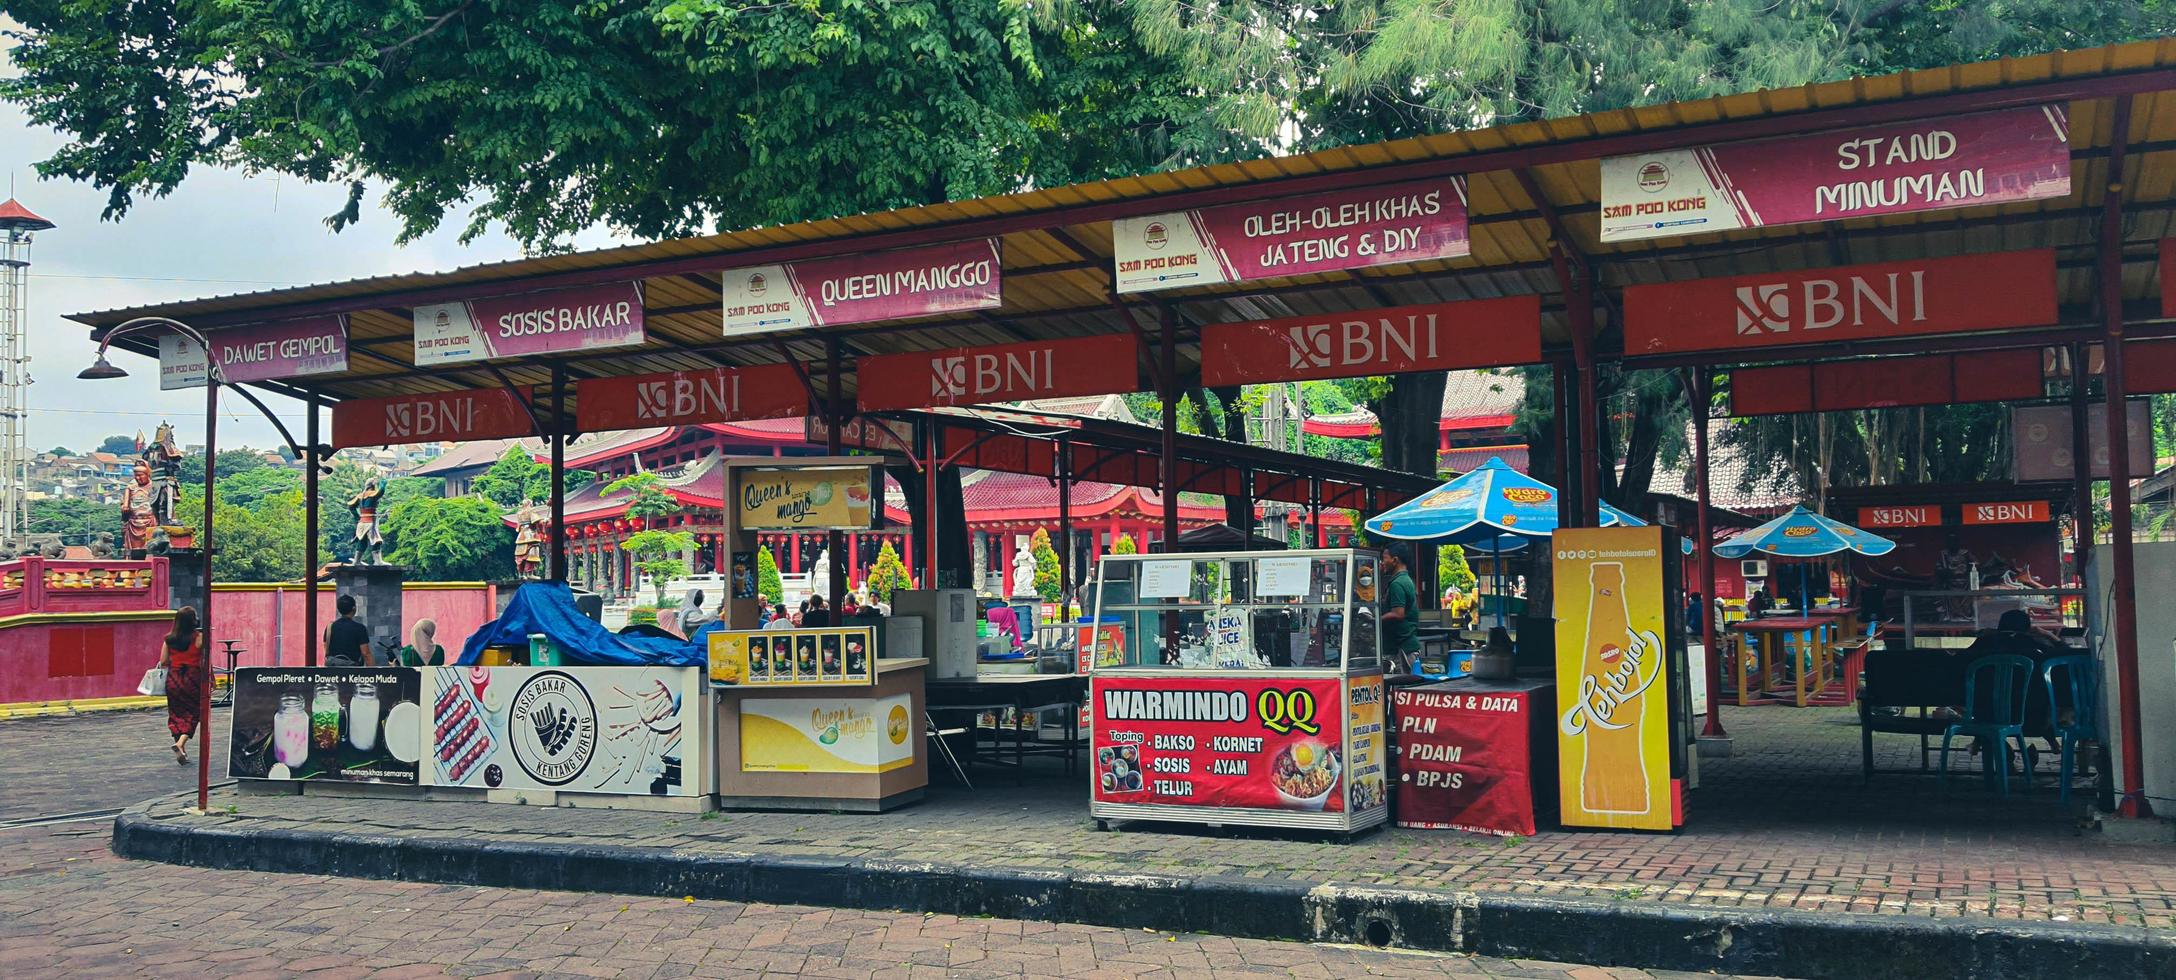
(1346, 229)
(450, 416)
(1924, 165)
(1879, 301)
(1271, 743)
(769, 391)
(1009, 372)
(258, 352)
(527, 324)
(892, 285)
(1394, 340)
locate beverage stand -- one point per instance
(1238, 688)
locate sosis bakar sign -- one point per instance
(1270, 744)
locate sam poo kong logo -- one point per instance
(1653, 176)
(552, 728)
(757, 284)
(1155, 236)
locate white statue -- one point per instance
(819, 581)
(1023, 570)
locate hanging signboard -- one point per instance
(896, 285)
(257, 352)
(1898, 515)
(450, 416)
(2041, 443)
(1925, 165)
(822, 498)
(2008, 512)
(767, 391)
(1880, 301)
(1395, 340)
(1293, 236)
(862, 432)
(528, 324)
(1009, 372)
(1613, 713)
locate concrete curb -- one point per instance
(1648, 935)
(79, 706)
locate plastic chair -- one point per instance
(2081, 681)
(2000, 717)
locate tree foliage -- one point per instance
(1046, 564)
(658, 554)
(75, 519)
(118, 445)
(231, 462)
(1451, 568)
(461, 539)
(249, 544)
(888, 576)
(249, 486)
(769, 586)
(650, 499)
(1125, 546)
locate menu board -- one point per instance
(1366, 732)
(1281, 576)
(1259, 743)
(1171, 578)
(832, 656)
(350, 724)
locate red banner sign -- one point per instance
(894, 285)
(258, 352)
(529, 324)
(1895, 168)
(1429, 337)
(2008, 512)
(1855, 302)
(1293, 236)
(1911, 515)
(452, 416)
(769, 391)
(1268, 744)
(1005, 373)
(1465, 760)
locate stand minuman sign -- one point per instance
(1880, 301)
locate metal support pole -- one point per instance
(928, 433)
(2081, 462)
(835, 413)
(1579, 311)
(1697, 382)
(1168, 387)
(2122, 608)
(1314, 510)
(309, 535)
(1567, 454)
(556, 549)
(204, 619)
(1065, 526)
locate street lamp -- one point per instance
(103, 369)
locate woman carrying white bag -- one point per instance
(181, 658)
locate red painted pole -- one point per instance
(1703, 543)
(2081, 461)
(309, 534)
(1167, 384)
(2122, 608)
(211, 493)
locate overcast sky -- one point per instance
(219, 232)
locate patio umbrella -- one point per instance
(1801, 533)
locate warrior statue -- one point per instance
(529, 540)
(139, 517)
(365, 507)
(164, 458)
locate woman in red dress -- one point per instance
(183, 657)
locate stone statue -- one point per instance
(529, 540)
(102, 545)
(139, 517)
(164, 458)
(365, 507)
(819, 582)
(1023, 571)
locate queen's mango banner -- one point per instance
(1292, 236)
(1924, 165)
(1269, 744)
(826, 734)
(819, 498)
(1613, 727)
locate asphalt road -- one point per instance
(68, 907)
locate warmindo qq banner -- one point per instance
(257, 352)
(1266, 744)
(892, 285)
(528, 324)
(1925, 165)
(1346, 229)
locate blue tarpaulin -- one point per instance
(548, 608)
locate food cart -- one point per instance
(1247, 690)
(812, 719)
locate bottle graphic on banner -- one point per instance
(1613, 776)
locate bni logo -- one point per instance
(948, 377)
(1311, 346)
(400, 419)
(1766, 307)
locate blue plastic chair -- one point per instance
(2000, 717)
(2081, 682)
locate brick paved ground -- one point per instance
(68, 907)
(1786, 823)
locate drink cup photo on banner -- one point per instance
(1612, 693)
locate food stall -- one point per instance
(1245, 689)
(811, 719)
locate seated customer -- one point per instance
(2015, 633)
(422, 649)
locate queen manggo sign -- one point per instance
(768, 391)
(893, 285)
(1009, 372)
(258, 352)
(1854, 302)
(1266, 744)
(527, 324)
(451, 416)
(1293, 236)
(1897, 168)
(1429, 337)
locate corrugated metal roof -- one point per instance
(1056, 242)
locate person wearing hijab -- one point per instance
(692, 614)
(422, 649)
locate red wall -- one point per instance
(92, 659)
(264, 619)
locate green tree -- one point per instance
(461, 539)
(60, 451)
(231, 462)
(1046, 564)
(769, 586)
(888, 576)
(260, 544)
(118, 445)
(1451, 568)
(649, 498)
(658, 554)
(507, 482)
(244, 489)
(1125, 546)
(76, 520)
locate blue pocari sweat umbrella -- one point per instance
(1805, 534)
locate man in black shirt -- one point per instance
(347, 642)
